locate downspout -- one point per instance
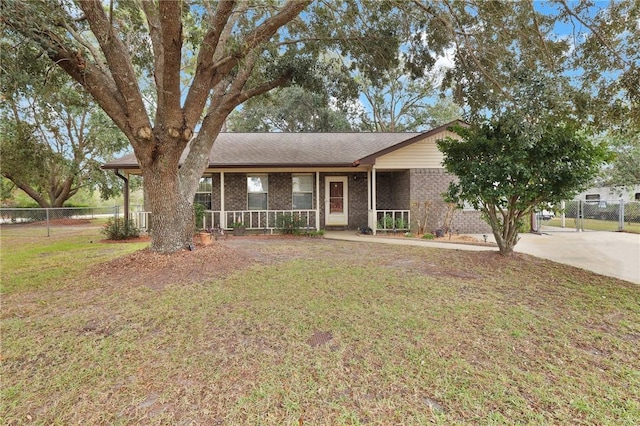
(126, 193)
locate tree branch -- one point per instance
(168, 112)
(122, 72)
(219, 31)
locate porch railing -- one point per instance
(252, 219)
(393, 220)
(268, 220)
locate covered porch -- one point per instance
(339, 199)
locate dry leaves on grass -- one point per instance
(156, 270)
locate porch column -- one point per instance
(223, 216)
(125, 179)
(374, 202)
(317, 201)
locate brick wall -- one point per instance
(401, 190)
(358, 203)
(280, 191)
(235, 191)
(215, 192)
(429, 184)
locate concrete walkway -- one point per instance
(615, 254)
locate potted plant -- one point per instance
(239, 228)
(206, 237)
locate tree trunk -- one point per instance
(172, 225)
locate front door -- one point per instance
(336, 201)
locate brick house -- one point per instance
(327, 180)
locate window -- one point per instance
(302, 192)
(257, 192)
(592, 198)
(203, 193)
(637, 196)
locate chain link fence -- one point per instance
(588, 215)
(34, 222)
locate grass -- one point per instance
(416, 336)
(595, 224)
(30, 262)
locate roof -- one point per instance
(296, 149)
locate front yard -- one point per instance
(269, 330)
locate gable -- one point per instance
(421, 154)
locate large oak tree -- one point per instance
(166, 70)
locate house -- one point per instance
(327, 180)
(610, 193)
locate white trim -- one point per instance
(223, 216)
(374, 201)
(310, 169)
(317, 200)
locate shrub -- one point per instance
(319, 233)
(386, 222)
(428, 237)
(401, 224)
(198, 211)
(120, 229)
(289, 223)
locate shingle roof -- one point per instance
(294, 149)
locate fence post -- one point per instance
(47, 212)
(621, 216)
(580, 216)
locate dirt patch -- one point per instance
(156, 270)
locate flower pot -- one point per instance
(206, 239)
(239, 231)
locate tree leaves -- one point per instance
(507, 169)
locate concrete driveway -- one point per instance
(615, 254)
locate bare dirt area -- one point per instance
(218, 260)
(155, 270)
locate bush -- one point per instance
(386, 222)
(428, 237)
(198, 212)
(289, 223)
(316, 234)
(120, 229)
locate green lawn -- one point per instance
(595, 224)
(308, 331)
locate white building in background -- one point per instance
(608, 193)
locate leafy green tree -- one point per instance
(289, 109)
(53, 138)
(507, 168)
(397, 103)
(624, 169)
(597, 61)
(443, 111)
